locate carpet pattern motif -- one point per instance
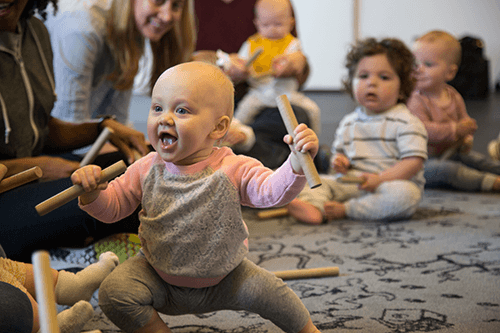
(437, 272)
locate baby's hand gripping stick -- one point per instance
(305, 159)
(76, 190)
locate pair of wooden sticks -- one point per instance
(305, 160)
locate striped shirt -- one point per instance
(374, 143)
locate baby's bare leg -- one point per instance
(305, 212)
(334, 210)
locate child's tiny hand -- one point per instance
(236, 69)
(467, 144)
(466, 126)
(306, 141)
(340, 163)
(88, 177)
(372, 181)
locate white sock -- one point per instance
(71, 288)
(73, 319)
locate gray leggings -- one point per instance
(133, 291)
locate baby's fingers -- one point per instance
(88, 177)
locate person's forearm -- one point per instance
(17, 165)
(405, 169)
(65, 136)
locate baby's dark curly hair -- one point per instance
(399, 56)
(38, 6)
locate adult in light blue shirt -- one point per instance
(97, 45)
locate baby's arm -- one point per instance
(404, 169)
(306, 141)
(88, 177)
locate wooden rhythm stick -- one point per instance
(20, 178)
(44, 288)
(3, 171)
(351, 180)
(305, 159)
(75, 191)
(307, 273)
(270, 213)
(254, 56)
(96, 147)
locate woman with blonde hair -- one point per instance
(97, 46)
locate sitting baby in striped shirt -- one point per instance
(381, 142)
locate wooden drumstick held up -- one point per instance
(76, 190)
(271, 213)
(96, 147)
(20, 178)
(305, 159)
(44, 288)
(254, 56)
(3, 171)
(307, 273)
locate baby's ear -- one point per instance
(452, 71)
(221, 128)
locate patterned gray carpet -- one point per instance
(438, 272)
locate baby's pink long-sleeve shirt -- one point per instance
(191, 230)
(440, 123)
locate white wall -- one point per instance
(326, 29)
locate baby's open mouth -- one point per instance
(167, 139)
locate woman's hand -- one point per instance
(126, 139)
(53, 168)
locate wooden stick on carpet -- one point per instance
(45, 292)
(271, 213)
(20, 178)
(76, 190)
(307, 273)
(305, 159)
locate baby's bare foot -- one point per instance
(334, 210)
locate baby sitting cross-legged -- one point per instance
(381, 142)
(194, 241)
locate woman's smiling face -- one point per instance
(154, 18)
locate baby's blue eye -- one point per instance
(181, 111)
(158, 108)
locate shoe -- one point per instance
(494, 149)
